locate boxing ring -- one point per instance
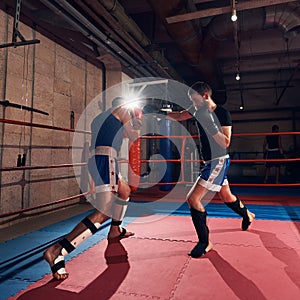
(261, 263)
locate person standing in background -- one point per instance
(272, 149)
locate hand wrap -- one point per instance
(136, 117)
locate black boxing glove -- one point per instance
(206, 119)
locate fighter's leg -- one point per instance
(119, 208)
(199, 214)
(234, 203)
(54, 255)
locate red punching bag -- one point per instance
(134, 170)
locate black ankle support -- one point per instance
(66, 245)
(199, 220)
(90, 225)
(116, 223)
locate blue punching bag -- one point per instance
(166, 152)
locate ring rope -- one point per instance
(15, 122)
(267, 133)
(182, 160)
(44, 205)
(5, 169)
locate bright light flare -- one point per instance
(132, 100)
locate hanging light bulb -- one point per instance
(237, 77)
(233, 16)
(233, 11)
(242, 100)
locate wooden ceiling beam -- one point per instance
(224, 10)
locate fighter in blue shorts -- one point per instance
(111, 191)
(214, 126)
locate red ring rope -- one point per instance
(135, 162)
(183, 160)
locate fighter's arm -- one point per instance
(183, 115)
(223, 138)
(179, 115)
(221, 133)
(131, 125)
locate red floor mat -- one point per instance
(262, 263)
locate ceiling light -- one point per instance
(237, 77)
(233, 11)
(233, 16)
(241, 107)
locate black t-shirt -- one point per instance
(210, 149)
(273, 141)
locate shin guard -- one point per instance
(199, 221)
(119, 209)
(69, 246)
(241, 211)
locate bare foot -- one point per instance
(250, 215)
(119, 233)
(56, 263)
(209, 246)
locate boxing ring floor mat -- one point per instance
(262, 263)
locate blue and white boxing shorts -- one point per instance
(104, 170)
(214, 173)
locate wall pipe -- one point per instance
(104, 84)
(115, 47)
(95, 35)
(115, 8)
(200, 50)
(116, 31)
(3, 94)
